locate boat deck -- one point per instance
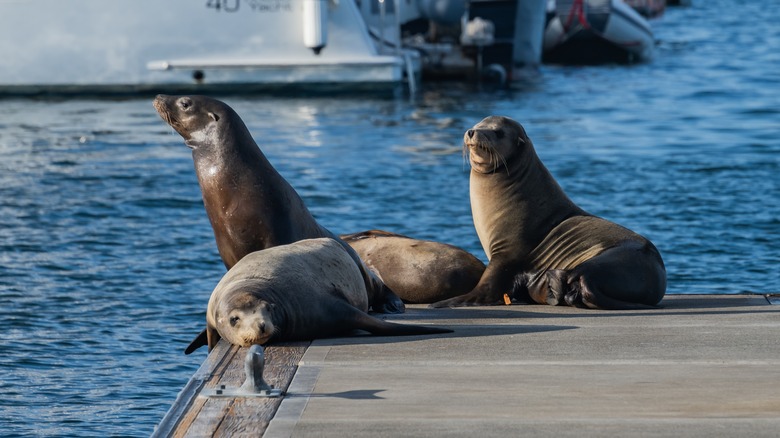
(701, 366)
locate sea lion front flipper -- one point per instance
(369, 234)
(213, 337)
(381, 298)
(199, 341)
(386, 301)
(495, 282)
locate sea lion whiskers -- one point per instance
(259, 337)
(464, 154)
(481, 145)
(476, 144)
(166, 115)
(498, 158)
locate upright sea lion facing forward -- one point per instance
(305, 290)
(419, 271)
(250, 206)
(542, 246)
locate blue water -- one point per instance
(107, 258)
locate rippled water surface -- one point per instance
(107, 258)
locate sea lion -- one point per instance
(419, 271)
(249, 204)
(540, 245)
(305, 290)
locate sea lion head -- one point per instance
(200, 120)
(493, 143)
(244, 319)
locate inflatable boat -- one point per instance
(648, 8)
(588, 32)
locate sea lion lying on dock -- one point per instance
(249, 204)
(418, 271)
(305, 290)
(540, 245)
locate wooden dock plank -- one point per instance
(213, 410)
(187, 397)
(250, 416)
(193, 415)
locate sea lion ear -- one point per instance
(214, 116)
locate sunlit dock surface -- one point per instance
(701, 366)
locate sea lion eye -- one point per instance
(185, 103)
(499, 134)
(234, 320)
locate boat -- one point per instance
(493, 40)
(588, 32)
(648, 8)
(143, 46)
(130, 46)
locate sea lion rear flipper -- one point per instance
(199, 341)
(378, 327)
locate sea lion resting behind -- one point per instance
(249, 204)
(418, 271)
(540, 245)
(305, 290)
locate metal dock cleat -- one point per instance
(254, 385)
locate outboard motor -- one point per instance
(517, 39)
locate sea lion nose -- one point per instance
(470, 133)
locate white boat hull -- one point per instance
(61, 45)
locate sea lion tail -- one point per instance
(379, 327)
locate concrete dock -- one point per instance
(701, 366)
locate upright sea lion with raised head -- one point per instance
(249, 204)
(305, 290)
(419, 271)
(540, 245)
